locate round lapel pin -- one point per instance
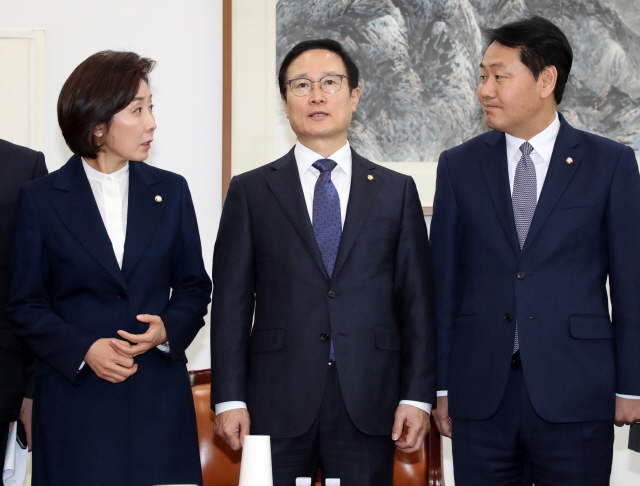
(158, 198)
(569, 160)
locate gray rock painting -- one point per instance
(419, 66)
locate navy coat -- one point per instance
(67, 291)
(575, 358)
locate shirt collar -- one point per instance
(542, 143)
(305, 157)
(96, 175)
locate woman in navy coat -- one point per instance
(109, 289)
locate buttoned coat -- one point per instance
(68, 291)
(585, 229)
(377, 303)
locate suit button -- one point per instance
(508, 317)
(521, 275)
(324, 336)
(122, 295)
(331, 294)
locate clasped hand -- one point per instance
(112, 359)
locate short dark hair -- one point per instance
(101, 86)
(541, 43)
(353, 74)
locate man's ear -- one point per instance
(355, 98)
(547, 80)
(285, 105)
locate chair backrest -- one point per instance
(221, 465)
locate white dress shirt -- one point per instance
(341, 178)
(111, 192)
(542, 144)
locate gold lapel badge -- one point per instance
(569, 160)
(370, 177)
(158, 198)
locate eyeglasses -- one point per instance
(329, 84)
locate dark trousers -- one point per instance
(334, 445)
(516, 442)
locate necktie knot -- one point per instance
(526, 149)
(324, 165)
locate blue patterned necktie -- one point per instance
(525, 198)
(327, 221)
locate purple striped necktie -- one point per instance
(327, 220)
(524, 199)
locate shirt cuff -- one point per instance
(442, 393)
(163, 348)
(81, 366)
(226, 406)
(421, 405)
(631, 397)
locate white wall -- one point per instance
(185, 38)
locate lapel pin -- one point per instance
(569, 160)
(158, 198)
(370, 177)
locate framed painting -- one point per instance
(419, 71)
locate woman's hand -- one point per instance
(108, 364)
(156, 334)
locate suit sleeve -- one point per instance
(190, 284)
(447, 233)
(623, 235)
(413, 298)
(39, 170)
(53, 340)
(233, 299)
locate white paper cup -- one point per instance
(255, 467)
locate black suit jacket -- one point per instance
(377, 303)
(17, 166)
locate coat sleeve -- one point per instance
(623, 235)
(447, 232)
(413, 301)
(39, 170)
(53, 340)
(233, 299)
(190, 284)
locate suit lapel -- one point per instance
(79, 212)
(143, 213)
(285, 184)
(362, 194)
(496, 174)
(558, 177)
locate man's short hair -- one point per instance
(353, 73)
(101, 86)
(541, 43)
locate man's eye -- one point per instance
(301, 84)
(329, 82)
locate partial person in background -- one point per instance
(529, 221)
(109, 289)
(17, 166)
(332, 252)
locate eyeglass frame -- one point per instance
(341, 76)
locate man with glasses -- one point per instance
(331, 252)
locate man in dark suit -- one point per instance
(343, 335)
(17, 166)
(529, 221)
